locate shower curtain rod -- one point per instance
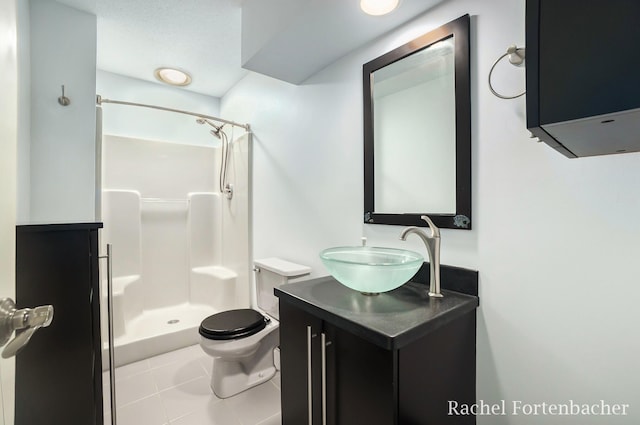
(100, 101)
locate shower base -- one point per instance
(159, 331)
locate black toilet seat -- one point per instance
(233, 324)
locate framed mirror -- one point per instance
(417, 131)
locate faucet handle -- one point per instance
(435, 230)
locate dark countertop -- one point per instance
(390, 320)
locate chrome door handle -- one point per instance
(112, 364)
(24, 322)
(309, 376)
(324, 377)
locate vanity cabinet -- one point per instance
(343, 367)
(358, 386)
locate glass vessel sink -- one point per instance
(369, 269)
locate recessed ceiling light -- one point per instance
(378, 7)
(172, 76)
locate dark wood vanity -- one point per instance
(395, 358)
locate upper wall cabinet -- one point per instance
(583, 86)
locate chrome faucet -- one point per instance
(432, 243)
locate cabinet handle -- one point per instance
(112, 366)
(324, 378)
(309, 376)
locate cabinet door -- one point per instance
(58, 374)
(300, 373)
(352, 382)
(361, 380)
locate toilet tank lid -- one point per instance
(282, 267)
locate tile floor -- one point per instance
(173, 389)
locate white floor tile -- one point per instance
(177, 373)
(215, 414)
(147, 411)
(174, 388)
(135, 388)
(273, 420)
(256, 404)
(276, 379)
(131, 369)
(207, 364)
(187, 398)
(183, 354)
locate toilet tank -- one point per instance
(271, 273)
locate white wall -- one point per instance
(8, 158)
(24, 112)
(555, 240)
(150, 124)
(62, 167)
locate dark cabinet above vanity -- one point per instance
(395, 358)
(583, 89)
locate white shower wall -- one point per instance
(180, 250)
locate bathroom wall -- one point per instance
(62, 142)
(9, 71)
(554, 239)
(24, 112)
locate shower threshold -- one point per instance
(159, 331)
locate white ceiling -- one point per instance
(204, 37)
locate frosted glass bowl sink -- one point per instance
(371, 269)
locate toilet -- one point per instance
(243, 342)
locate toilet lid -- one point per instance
(232, 324)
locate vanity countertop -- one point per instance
(390, 320)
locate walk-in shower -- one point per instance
(180, 241)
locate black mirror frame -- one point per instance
(459, 29)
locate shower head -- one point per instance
(216, 130)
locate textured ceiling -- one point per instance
(198, 36)
(294, 39)
(204, 37)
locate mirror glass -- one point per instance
(417, 131)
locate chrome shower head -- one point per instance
(216, 132)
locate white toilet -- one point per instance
(242, 341)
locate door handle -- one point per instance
(324, 377)
(310, 335)
(24, 322)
